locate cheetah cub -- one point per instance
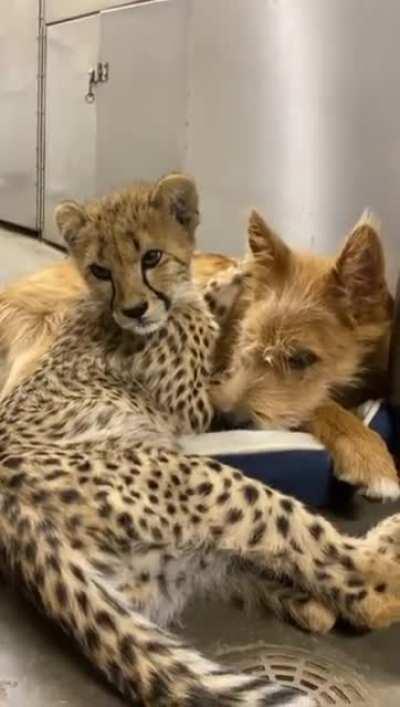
(108, 524)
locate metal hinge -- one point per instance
(99, 75)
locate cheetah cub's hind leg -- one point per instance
(148, 665)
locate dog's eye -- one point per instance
(99, 272)
(302, 359)
(151, 258)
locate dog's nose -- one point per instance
(136, 312)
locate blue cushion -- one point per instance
(292, 462)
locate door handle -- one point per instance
(98, 75)
(90, 95)
(102, 72)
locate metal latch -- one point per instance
(98, 75)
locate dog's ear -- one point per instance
(177, 193)
(266, 246)
(359, 272)
(70, 218)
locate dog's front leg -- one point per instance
(359, 454)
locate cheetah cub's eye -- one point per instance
(99, 272)
(300, 360)
(151, 258)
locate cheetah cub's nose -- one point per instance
(136, 312)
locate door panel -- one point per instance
(19, 53)
(141, 110)
(72, 48)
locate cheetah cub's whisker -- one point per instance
(108, 524)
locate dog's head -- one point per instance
(308, 323)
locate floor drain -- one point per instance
(327, 681)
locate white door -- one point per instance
(70, 138)
(141, 110)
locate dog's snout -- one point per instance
(136, 312)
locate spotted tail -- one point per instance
(149, 666)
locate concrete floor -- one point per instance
(39, 668)
(21, 255)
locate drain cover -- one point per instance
(328, 682)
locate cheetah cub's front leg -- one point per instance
(347, 576)
(221, 292)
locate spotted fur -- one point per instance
(111, 527)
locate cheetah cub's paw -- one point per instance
(221, 292)
(378, 601)
(384, 539)
(312, 615)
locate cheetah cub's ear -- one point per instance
(177, 194)
(70, 217)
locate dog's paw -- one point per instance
(381, 489)
(367, 464)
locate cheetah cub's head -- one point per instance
(134, 248)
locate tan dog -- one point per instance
(301, 335)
